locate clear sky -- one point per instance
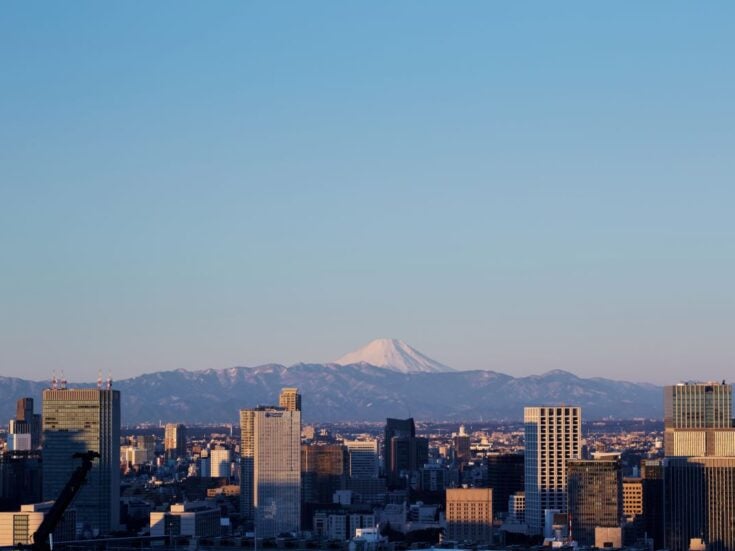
(517, 186)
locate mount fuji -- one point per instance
(386, 378)
(395, 355)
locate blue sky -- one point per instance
(508, 186)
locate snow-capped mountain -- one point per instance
(358, 392)
(395, 355)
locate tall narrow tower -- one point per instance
(553, 435)
(270, 482)
(80, 420)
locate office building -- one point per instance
(504, 475)
(553, 436)
(362, 457)
(290, 399)
(322, 472)
(461, 445)
(174, 441)
(404, 453)
(20, 479)
(77, 421)
(594, 496)
(25, 429)
(698, 420)
(18, 527)
(469, 514)
(699, 502)
(652, 479)
(271, 470)
(196, 518)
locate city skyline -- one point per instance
(507, 187)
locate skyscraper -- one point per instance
(699, 502)
(271, 469)
(553, 436)
(461, 445)
(322, 472)
(652, 475)
(504, 476)
(404, 453)
(594, 495)
(174, 441)
(698, 420)
(290, 399)
(362, 458)
(25, 423)
(80, 420)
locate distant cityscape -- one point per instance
(73, 477)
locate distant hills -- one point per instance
(414, 386)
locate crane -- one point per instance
(53, 517)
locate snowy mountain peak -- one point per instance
(395, 355)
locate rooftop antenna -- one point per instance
(53, 380)
(109, 380)
(63, 380)
(99, 379)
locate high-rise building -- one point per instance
(699, 502)
(322, 472)
(469, 515)
(20, 479)
(362, 458)
(25, 423)
(461, 445)
(698, 420)
(652, 478)
(594, 495)
(271, 469)
(504, 476)
(219, 463)
(553, 436)
(290, 399)
(174, 441)
(80, 420)
(404, 453)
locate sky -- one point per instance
(503, 185)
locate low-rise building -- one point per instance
(19, 527)
(197, 518)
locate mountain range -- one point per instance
(405, 383)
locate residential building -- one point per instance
(290, 399)
(553, 436)
(219, 463)
(174, 441)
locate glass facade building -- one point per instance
(80, 420)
